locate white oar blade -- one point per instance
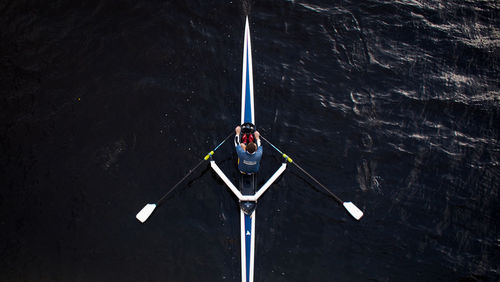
(145, 212)
(353, 210)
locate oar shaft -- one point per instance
(192, 170)
(178, 183)
(304, 171)
(319, 184)
(276, 148)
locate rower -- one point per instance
(248, 149)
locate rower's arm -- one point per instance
(257, 136)
(237, 131)
(236, 140)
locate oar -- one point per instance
(148, 209)
(349, 206)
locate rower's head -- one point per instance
(251, 147)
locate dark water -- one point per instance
(395, 105)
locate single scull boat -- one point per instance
(247, 194)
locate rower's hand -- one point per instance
(256, 134)
(237, 130)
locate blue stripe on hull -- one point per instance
(248, 102)
(248, 243)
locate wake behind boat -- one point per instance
(247, 193)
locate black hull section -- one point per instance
(247, 187)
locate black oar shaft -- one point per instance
(178, 183)
(319, 184)
(193, 169)
(304, 171)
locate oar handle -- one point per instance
(276, 148)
